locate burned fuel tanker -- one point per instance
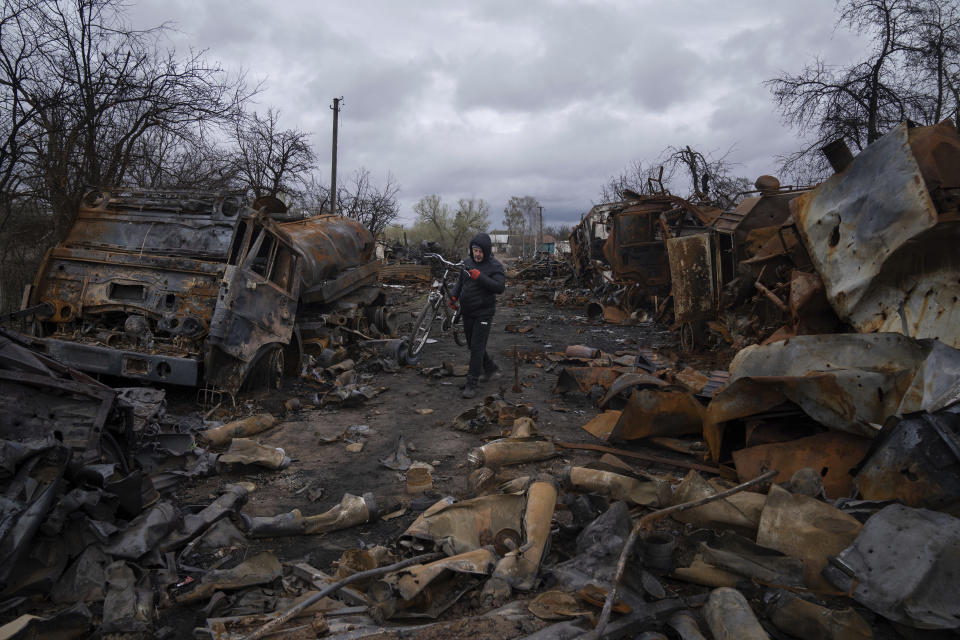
(202, 289)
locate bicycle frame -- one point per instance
(438, 300)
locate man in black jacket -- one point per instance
(477, 292)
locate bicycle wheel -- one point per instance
(458, 335)
(421, 328)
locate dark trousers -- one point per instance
(477, 331)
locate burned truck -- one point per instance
(202, 289)
(618, 248)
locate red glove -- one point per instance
(474, 273)
(453, 302)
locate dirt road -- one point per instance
(422, 410)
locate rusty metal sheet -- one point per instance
(633, 250)
(585, 378)
(692, 380)
(412, 580)
(887, 259)
(805, 528)
(458, 527)
(629, 381)
(846, 382)
(659, 412)
(834, 454)
(171, 223)
(40, 397)
(602, 425)
(916, 461)
(756, 219)
(614, 315)
(810, 311)
(693, 272)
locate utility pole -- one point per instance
(333, 162)
(540, 232)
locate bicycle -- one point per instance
(438, 301)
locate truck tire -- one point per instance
(266, 372)
(293, 356)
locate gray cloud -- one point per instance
(494, 98)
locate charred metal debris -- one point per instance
(203, 289)
(867, 250)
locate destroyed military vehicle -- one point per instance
(202, 289)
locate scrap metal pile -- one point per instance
(859, 435)
(543, 266)
(868, 250)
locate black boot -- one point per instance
(491, 372)
(470, 389)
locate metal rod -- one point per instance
(649, 457)
(336, 586)
(639, 526)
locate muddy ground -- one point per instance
(429, 435)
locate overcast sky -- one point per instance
(496, 98)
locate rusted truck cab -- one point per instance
(195, 289)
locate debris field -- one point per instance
(706, 424)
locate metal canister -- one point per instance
(507, 451)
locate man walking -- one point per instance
(477, 292)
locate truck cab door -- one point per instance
(256, 307)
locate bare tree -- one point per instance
(710, 181)
(635, 178)
(520, 216)
(360, 198)
(15, 114)
(314, 197)
(933, 54)
(513, 219)
(272, 160)
(559, 231)
(909, 72)
(162, 160)
(472, 217)
(374, 207)
(95, 88)
(433, 219)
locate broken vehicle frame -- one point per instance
(195, 288)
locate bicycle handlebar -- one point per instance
(452, 265)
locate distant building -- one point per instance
(515, 244)
(548, 245)
(500, 241)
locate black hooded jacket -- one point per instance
(478, 298)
